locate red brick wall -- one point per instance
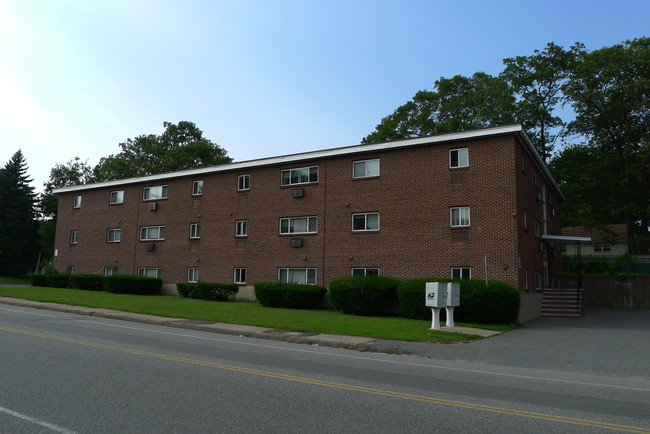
(413, 195)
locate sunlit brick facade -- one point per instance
(473, 203)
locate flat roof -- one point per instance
(563, 239)
(333, 152)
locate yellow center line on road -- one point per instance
(343, 386)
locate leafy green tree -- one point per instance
(181, 146)
(19, 241)
(609, 90)
(455, 104)
(537, 81)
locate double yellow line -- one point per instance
(387, 393)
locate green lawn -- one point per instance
(248, 313)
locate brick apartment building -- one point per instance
(468, 204)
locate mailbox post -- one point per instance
(453, 300)
(436, 298)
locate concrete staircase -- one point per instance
(562, 303)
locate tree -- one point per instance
(456, 104)
(19, 242)
(181, 146)
(74, 172)
(537, 80)
(609, 90)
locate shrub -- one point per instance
(125, 284)
(364, 295)
(90, 282)
(38, 280)
(290, 295)
(207, 291)
(58, 280)
(494, 303)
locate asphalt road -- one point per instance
(69, 373)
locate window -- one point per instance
(74, 237)
(240, 275)
(538, 228)
(110, 271)
(241, 228)
(114, 235)
(525, 216)
(602, 247)
(305, 276)
(298, 225)
(459, 216)
(458, 157)
(365, 222)
(192, 275)
(116, 197)
(366, 168)
(72, 270)
(153, 193)
(302, 175)
(195, 230)
(76, 202)
(461, 273)
(526, 279)
(152, 233)
(243, 182)
(365, 271)
(150, 272)
(197, 188)
(534, 178)
(538, 280)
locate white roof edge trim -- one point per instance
(567, 240)
(354, 149)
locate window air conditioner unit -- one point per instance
(153, 206)
(296, 242)
(298, 192)
(151, 247)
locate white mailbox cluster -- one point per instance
(439, 295)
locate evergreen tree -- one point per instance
(19, 240)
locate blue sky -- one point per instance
(260, 78)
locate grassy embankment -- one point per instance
(247, 313)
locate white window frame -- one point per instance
(602, 247)
(309, 222)
(195, 231)
(460, 271)
(456, 217)
(287, 175)
(76, 202)
(462, 158)
(155, 192)
(239, 276)
(146, 271)
(241, 228)
(197, 187)
(366, 166)
(111, 271)
(72, 270)
(192, 275)
(364, 215)
(116, 197)
(364, 271)
(538, 228)
(114, 231)
(144, 233)
(74, 237)
(243, 182)
(288, 275)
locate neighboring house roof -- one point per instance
(608, 234)
(518, 130)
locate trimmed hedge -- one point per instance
(90, 282)
(364, 295)
(126, 284)
(207, 291)
(39, 280)
(290, 295)
(58, 280)
(494, 303)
